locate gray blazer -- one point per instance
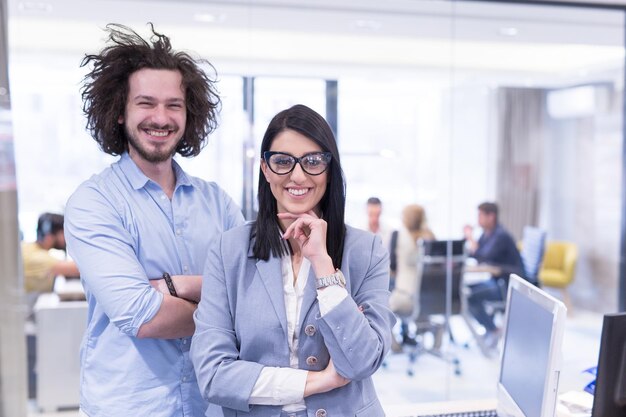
(241, 326)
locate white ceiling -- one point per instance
(280, 34)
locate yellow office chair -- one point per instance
(558, 267)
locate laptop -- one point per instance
(530, 361)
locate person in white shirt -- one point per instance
(375, 225)
(294, 316)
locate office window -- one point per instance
(223, 156)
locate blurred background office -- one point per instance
(443, 103)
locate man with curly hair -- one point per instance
(139, 230)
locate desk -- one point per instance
(425, 409)
(60, 326)
(422, 409)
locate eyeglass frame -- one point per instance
(268, 154)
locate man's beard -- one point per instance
(160, 154)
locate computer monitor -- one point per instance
(609, 398)
(531, 355)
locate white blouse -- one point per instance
(285, 386)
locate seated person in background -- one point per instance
(495, 248)
(40, 267)
(374, 224)
(408, 270)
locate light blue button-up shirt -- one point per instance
(122, 230)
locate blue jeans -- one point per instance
(480, 293)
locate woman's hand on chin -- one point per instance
(309, 232)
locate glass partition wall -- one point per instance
(443, 104)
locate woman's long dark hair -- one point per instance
(105, 88)
(267, 240)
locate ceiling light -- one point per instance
(208, 17)
(508, 31)
(35, 6)
(367, 24)
(387, 153)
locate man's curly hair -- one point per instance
(105, 88)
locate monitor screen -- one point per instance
(531, 354)
(609, 398)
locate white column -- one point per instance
(13, 371)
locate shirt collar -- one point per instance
(181, 176)
(138, 179)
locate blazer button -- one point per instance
(310, 330)
(321, 413)
(311, 360)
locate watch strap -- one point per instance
(170, 284)
(336, 278)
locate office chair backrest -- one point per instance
(439, 256)
(533, 248)
(436, 250)
(393, 254)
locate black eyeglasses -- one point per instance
(281, 163)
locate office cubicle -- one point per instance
(441, 103)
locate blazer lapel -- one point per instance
(271, 275)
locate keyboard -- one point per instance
(477, 413)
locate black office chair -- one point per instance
(439, 297)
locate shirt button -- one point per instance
(184, 341)
(310, 330)
(311, 360)
(163, 196)
(184, 379)
(321, 413)
(185, 268)
(178, 232)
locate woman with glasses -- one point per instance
(294, 317)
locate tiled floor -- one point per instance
(434, 379)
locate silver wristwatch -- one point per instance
(336, 278)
